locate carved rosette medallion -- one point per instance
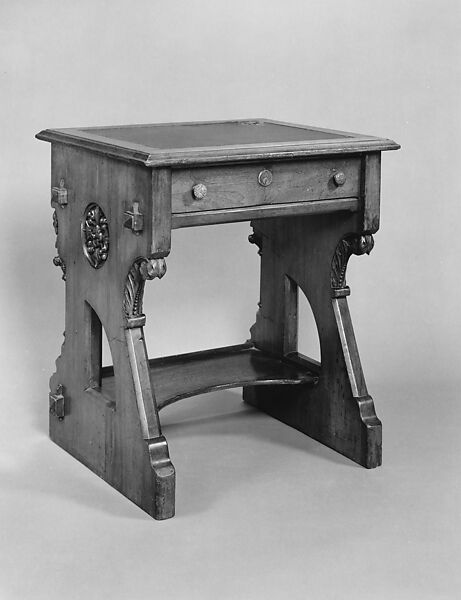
(352, 244)
(142, 269)
(95, 236)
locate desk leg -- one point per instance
(113, 428)
(161, 505)
(312, 252)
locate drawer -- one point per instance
(235, 186)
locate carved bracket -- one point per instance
(142, 269)
(55, 222)
(58, 262)
(256, 238)
(352, 244)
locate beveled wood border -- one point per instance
(345, 143)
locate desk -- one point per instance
(312, 196)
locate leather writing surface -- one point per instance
(211, 134)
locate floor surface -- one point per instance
(262, 511)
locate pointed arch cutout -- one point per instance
(99, 352)
(308, 334)
(301, 330)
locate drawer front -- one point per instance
(211, 188)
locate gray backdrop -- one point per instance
(262, 511)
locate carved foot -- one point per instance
(164, 479)
(372, 433)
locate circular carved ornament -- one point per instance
(339, 178)
(95, 236)
(199, 191)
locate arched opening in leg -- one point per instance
(301, 333)
(106, 359)
(98, 353)
(308, 335)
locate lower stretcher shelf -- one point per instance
(184, 375)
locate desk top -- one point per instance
(176, 144)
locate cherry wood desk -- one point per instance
(312, 196)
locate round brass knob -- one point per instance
(339, 178)
(265, 178)
(199, 191)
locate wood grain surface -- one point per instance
(186, 375)
(338, 411)
(237, 186)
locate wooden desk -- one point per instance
(117, 192)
